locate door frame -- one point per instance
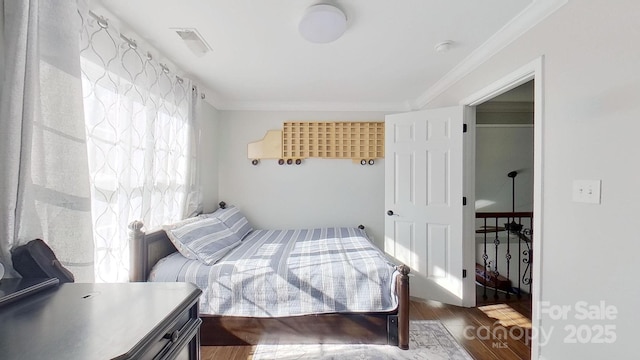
(531, 71)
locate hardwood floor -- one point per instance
(493, 330)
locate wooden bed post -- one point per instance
(403, 307)
(137, 252)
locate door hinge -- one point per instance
(464, 273)
(464, 201)
(464, 128)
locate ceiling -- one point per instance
(385, 61)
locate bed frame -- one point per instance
(369, 328)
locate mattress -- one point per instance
(278, 273)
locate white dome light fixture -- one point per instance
(322, 23)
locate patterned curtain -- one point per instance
(141, 140)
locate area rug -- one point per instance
(428, 339)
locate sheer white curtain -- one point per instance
(142, 137)
(44, 185)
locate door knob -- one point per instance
(390, 212)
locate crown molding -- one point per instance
(211, 97)
(533, 14)
(311, 106)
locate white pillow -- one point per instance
(208, 240)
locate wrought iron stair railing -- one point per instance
(498, 236)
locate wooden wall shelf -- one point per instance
(360, 141)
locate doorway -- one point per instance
(504, 176)
(530, 71)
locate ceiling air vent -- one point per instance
(194, 41)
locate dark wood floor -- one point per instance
(493, 330)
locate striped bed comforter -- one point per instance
(276, 273)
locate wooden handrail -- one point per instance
(517, 214)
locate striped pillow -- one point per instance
(233, 218)
(186, 252)
(206, 239)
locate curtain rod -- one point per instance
(132, 43)
(104, 23)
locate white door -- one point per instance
(424, 200)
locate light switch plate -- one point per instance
(586, 191)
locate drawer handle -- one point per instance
(172, 336)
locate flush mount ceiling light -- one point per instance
(322, 23)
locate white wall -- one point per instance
(591, 125)
(2, 61)
(501, 149)
(209, 148)
(319, 192)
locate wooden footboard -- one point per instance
(369, 328)
(307, 329)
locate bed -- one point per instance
(381, 316)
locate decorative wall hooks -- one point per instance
(363, 142)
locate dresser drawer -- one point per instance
(177, 347)
(173, 341)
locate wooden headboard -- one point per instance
(145, 250)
